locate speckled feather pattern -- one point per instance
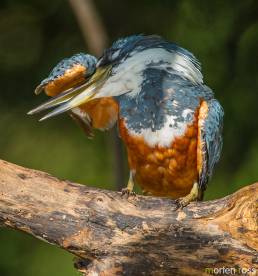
(163, 94)
(83, 59)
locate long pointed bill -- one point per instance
(59, 99)
(76, 96)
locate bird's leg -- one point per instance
(192, 196)
(128, 191)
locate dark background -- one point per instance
(36, 34)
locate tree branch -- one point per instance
(138, 236)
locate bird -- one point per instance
(153, 90)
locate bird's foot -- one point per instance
(184, 201)
(127, 192)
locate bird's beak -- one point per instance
(74, 97)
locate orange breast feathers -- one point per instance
(103, 112)
(161, 171)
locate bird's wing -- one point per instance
(210, 124)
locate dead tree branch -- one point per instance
(138, 236)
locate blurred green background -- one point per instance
(36, 34)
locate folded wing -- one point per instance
(210, 126)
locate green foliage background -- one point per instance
(36, 34)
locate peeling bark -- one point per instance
(138, 236)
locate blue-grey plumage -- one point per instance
(168, 118)
(163, 94)
(211, 139)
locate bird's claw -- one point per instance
(181, 203)
(184, 201)
(127, 192)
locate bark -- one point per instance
(136, 236)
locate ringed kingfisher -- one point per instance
(153, 90)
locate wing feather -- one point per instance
(210, 139)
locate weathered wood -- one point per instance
(138, 236)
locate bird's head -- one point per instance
(120, 71)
